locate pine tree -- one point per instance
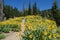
(55, 12)
(54, 9)
(29, 9)
(35, 8)
(23, 13)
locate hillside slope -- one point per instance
(32, 27)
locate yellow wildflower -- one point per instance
(48, 20)
(45, 33)
(58, 35)
(50, 36)
(54, 35)
(30, 36)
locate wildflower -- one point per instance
(48, 20)
(45, 33)
(58, 35)
(50, 36)
(30, 36)
(54, 35)
(49, 28)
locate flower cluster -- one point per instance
(47, 29)
(36, 28)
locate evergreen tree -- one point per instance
(35, 8)
(29, 9)
(23, 12)
(55, 12)
(11, 12)
(54, 9)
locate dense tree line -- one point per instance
(11, 12)
(53, 13)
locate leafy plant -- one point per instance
(6, 29)
(33, 35)
(58, 29)
(15, 28)
(2, 36)
(0, 28)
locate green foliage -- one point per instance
(11, 12)
(58, 30)
(0, 29)
(2, 36)
(15, 28)
(39, 35)
(55, 12)
(33, 35)
(6, 29)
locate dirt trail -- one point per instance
(13, 36)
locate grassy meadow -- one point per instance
(36, 28)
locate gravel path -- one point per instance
(13, 36)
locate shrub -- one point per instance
(6, 29)
(40, 34)
(33, 35)
(15, 28)
(58, 29)
(2, 36)
(0, 29)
